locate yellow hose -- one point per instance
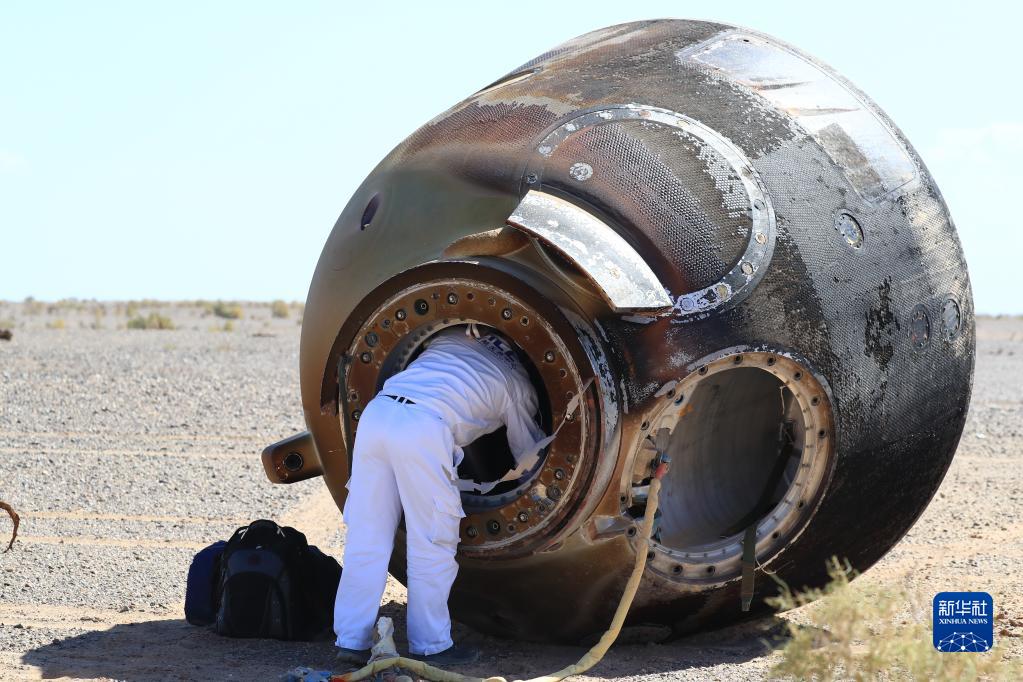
(589, 659)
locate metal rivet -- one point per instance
(631, 532)
(372, 339)
(470, 296)
(771, 361)
(421, 307)
(531, 178)
(386, 324)
(581, 171)
(563, 372)
(400, 314)
(452, 299)
(506, 313)
(493, 527)
(680, 399)
(650, 556)
(366, 357)
(747, 267)
(677, 569)
(471, 531)
(548, 356)
(524, 321)
(760, 237)
(523, 516)
(815, 401)
(671, 393)
(554, 492)
(356, 415)
(559, 474)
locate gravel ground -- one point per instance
(125, 451)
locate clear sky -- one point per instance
(189, 150)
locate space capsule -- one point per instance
(707, 246)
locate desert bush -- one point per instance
(56, 324)
(280, 309)
(151, 321)
(32, 306)
(228, 311)
(865, 632)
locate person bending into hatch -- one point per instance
(406, 453)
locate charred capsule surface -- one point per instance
(707, 246)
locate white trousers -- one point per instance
(403, 460)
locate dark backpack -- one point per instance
(273, 584)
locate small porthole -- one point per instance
(370, 211)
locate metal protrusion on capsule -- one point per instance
(400, 314)
(548, 356)
(366, 357)
(747, 267)
(506, 314)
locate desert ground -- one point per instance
(127, 450)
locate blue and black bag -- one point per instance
(269, 582)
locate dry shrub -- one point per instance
(228, 311)
(866, 632)
(56, 324)
(32, 306)
(151, 321)
(280, 309)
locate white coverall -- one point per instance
(405, 459)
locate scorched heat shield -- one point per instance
(705, 244)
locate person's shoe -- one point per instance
(456, 654)
(359, 657)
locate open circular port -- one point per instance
(733, 460)
(750, 439)
(394, 324)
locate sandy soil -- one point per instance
(126, 451)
